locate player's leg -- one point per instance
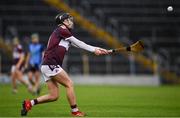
(14, 84)
(37, 75)
(19, 76)
(51, 96)
(13, 77)
(65, 80)
(30, 78)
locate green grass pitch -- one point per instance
(99, 101)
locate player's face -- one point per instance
(15, 41)
(35, 40)
(69, 23)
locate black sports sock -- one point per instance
(35, 101)
(73, 106)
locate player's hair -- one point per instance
(16, 40)
(61, 17)
(35, 35)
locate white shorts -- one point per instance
(49, 71)
(13, 68)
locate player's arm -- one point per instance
(21, 59)
(80, 44)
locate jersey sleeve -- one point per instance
(80, 44)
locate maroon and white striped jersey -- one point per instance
(17, 51)
(57, 47)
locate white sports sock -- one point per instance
(32, 102)
(75, 109)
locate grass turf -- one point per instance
(99, 101)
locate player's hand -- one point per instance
(101, 51)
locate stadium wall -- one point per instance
(130, 80)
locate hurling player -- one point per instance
(59, 42)
(17, 67)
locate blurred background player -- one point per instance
(53, 73)
(33, 61)
(17, 67)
